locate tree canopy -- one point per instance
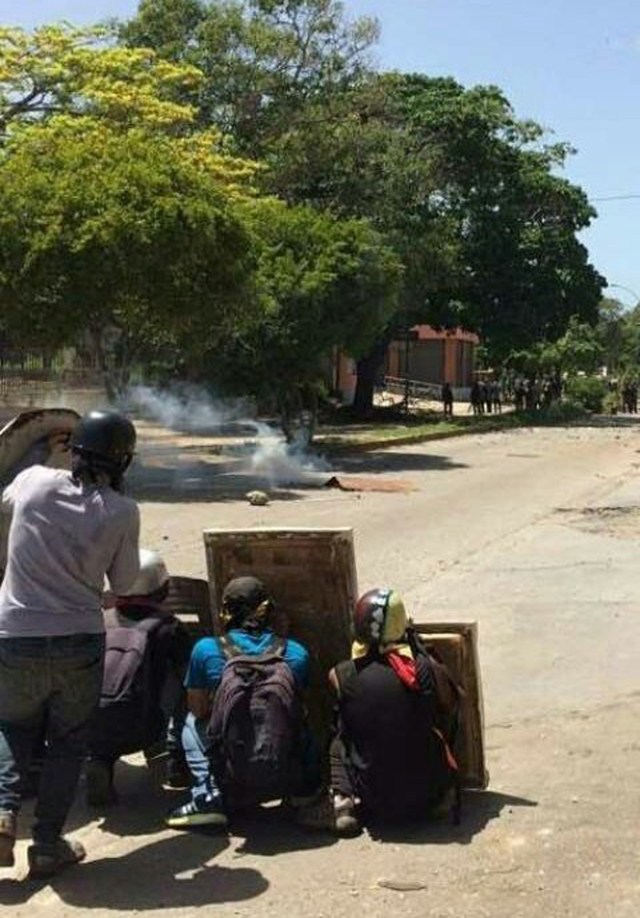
(321, 283)
(262, 60)
(133, 229)
(63, 70)
(467, 195)
(237, 178)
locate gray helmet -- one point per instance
(153, 575)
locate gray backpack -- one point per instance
(255, 725)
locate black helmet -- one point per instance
(107, 439)
(246, 604)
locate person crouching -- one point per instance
(246, 739)
(142, 699)
(396, 709)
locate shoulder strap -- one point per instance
(345, 671)
(229, 648)
(277, 648)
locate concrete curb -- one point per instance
(409, 439)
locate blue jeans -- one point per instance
(195, 743)
(52, 684)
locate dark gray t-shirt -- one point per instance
(64, 538)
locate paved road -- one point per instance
(535, 535)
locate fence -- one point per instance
(36, 377)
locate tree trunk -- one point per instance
(368, 370)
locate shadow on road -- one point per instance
(478, 809)
(168, 484)
(387, 461)
(270, 831)
(169, 874)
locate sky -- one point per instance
(571, 65)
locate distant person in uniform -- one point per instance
(68, 530)
(486, 396)
(447, 400)
(630, 397)
(496, 397)
(476, 398)
(546, 392)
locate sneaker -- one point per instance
(8, 828)
(177, 776)
(346, 823)
(100, 789)
(198, 812)
(47, 859)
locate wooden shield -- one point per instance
(311, 574)
(34, 432)
(312, 577)
(456, 644)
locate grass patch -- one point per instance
(425, 427)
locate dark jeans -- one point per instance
(51, 684)
(342, 781)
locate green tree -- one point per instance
(579, 350)
(320, 283)
(262, 60)
(467, 196)
(118, 218)
(104, 229)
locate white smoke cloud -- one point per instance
(186, 408)
(192, 409)
(281, 463)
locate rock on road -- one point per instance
(535, 535)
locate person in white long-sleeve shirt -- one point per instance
(68, 530)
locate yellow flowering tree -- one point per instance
(115, 215)
(60, 69)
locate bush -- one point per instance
(588, 391)
(563, 412)
(611, 404)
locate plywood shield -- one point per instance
(311, 575)
(457, 646)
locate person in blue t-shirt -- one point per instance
(246, 615)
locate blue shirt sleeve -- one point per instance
(205, 666)
(207, 660)
(297, 657)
